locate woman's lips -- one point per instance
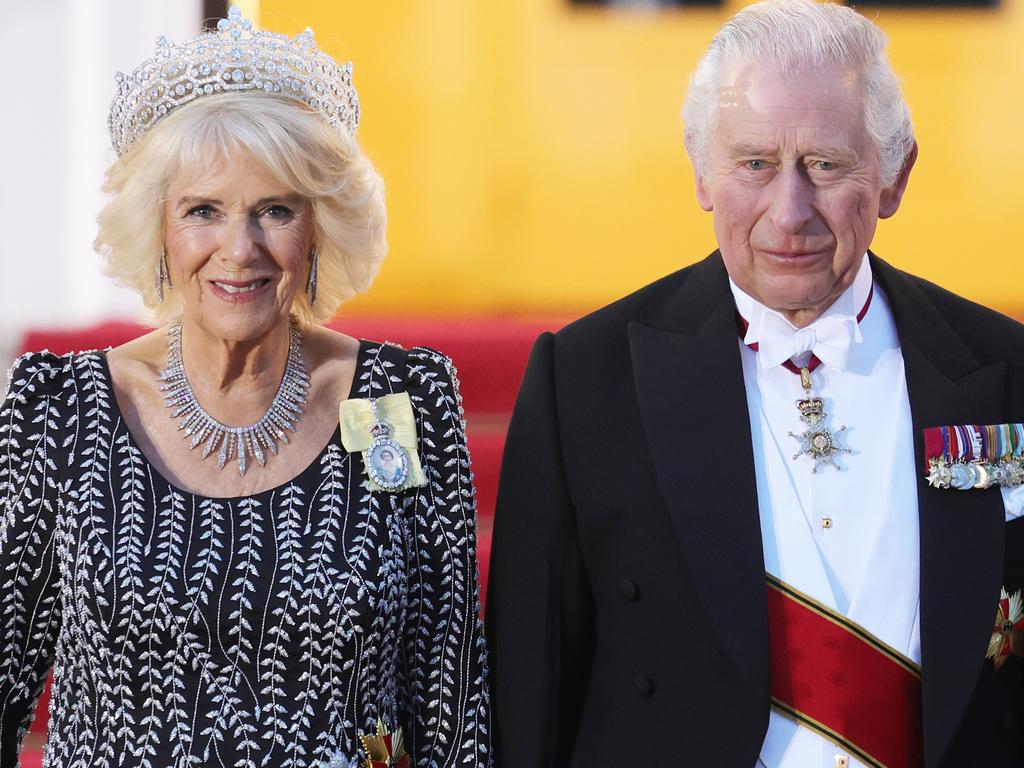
(237, 291)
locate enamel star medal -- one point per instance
(818, 442)
(1008, 632)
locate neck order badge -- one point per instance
(818, 441)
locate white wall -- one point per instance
(60, 57)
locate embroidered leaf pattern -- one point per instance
(269, 630)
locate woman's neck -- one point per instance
(219, 369)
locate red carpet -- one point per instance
(490, 352)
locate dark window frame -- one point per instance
(212, 11)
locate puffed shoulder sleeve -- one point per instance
(445, 655)
(29, 578)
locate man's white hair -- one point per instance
(793, 35)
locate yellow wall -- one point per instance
(534, 161)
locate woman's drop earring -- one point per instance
(314, 257)
(163, 274)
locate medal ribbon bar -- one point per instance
(965, 456)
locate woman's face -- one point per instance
(238, 245)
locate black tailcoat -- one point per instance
(626, 610)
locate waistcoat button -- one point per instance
(629, 590)
(644, 686)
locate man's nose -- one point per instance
(792, 204)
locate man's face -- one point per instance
(794, 184)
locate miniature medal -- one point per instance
(940, 474)
(387, 462)
(966, 456)
(818, 441)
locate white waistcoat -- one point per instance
(847, 537)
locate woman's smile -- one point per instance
(237, 291)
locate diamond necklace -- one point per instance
(237, 442)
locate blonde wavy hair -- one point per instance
(299, 149)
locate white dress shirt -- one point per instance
(847, 537)
(842, 535)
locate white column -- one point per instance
(62, 56)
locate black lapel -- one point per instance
(689, 380)
(961, 532)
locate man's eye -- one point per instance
(756, 165)
(824, 165)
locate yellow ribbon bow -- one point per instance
(357, 420)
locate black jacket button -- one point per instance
(1011, 722)
(629, 590)
(644, 686)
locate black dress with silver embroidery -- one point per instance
(267, 630)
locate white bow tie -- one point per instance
(829, 338)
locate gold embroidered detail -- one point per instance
(386, 749)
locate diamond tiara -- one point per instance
(234, 58)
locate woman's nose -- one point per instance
(241, 239)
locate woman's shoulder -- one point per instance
(433, 372)
(428, 357)
(416, 367)
(43, 373)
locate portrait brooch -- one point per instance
(383, 430)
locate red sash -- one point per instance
(837, 679)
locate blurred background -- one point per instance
(531, 149)
(532, 152)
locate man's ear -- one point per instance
(703, 192)
(892, 196)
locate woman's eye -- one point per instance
(278, 212)
(201, 211)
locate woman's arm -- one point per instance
(30, 611)
(445, 664)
